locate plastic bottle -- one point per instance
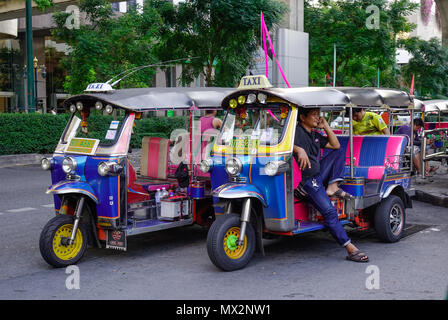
(164, 193)
(158, 205)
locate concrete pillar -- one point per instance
(442, 5)
(8, 29)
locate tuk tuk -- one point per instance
(100, 197)
(254, 174)
(435, 134)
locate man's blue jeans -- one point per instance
(332, 168)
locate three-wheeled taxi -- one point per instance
(435, 133)
(99, 195)
(254, 174)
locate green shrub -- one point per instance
(40, 133)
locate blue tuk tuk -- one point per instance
(254, 174)
(101, 198)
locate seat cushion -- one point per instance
(154, 160)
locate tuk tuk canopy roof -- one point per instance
(435, 105)
(332, 97)
(149, 99)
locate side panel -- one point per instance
(277, 191)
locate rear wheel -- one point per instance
(390, 219)
(54, 242)
(222, 247)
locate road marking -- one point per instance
(51, 205)
(21, 210)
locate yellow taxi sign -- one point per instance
(254, 82)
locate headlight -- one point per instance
(109, 109)
(275, 167)
(68, 165)
(251, 98)
(98, 105)
(109, 168)
(234, 166)
(79, 106)
(46, 163)
(103, 169)
(206, 165)
(72, 108)
(241, 99)
(262, 97)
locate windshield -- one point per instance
(95, 125)
(254, 125)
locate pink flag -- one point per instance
(412, 85)
(265, 33)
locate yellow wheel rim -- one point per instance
(66, 252)
(232, 250)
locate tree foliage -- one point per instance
(108, 43)
(429, 64)
(44, 4)
(361, 50)
(219, 36)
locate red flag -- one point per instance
(412, 85)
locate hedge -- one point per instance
(40, 133)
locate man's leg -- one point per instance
(319, 198)
(332, 168)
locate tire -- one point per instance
(390, 219)
(51, 248)
(221, 247)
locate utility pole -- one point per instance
(334, 65)
(29, 58)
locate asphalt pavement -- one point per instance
(173, 264)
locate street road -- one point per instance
(173, 264)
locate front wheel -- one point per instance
(54, 242)
(390, 218)
(222, 247)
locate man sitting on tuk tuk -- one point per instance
(328, 171)
(368, 123)
(406, 129)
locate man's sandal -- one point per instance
(341, 194)
(358, 256)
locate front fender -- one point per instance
(239, 190)
(65, 187)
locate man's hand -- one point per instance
(322, 123)
(304, 161)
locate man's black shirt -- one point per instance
(311, 142)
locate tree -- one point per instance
(429, 64)
(44, 4)
(361, 48)
(218, 36)
(107, 44)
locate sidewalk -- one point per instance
(432, 190)
(21, 159)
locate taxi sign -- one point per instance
(254, 82)
(99, 87)
(82, 146)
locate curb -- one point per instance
(21, 159)
(430, 198)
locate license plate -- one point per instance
(116, 239)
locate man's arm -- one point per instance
(304, 161)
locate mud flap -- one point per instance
(116, 239)
(258, 233)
